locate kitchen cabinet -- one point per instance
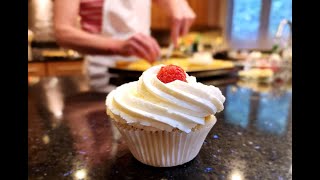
(64, 68)
(207, 12)
(55, 68)
(36, 69)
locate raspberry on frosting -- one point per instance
(171, 73)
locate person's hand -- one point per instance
(142, 46)
(182, 17)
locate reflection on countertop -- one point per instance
(279, 106)
(237, 105)
(70, 136)
(272, 106)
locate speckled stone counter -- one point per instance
(70, 136)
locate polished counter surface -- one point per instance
(71, 137)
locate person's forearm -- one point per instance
(83, 42)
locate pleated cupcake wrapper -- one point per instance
(162, 148)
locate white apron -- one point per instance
(121, 19)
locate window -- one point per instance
(253, 23)
(245, 20)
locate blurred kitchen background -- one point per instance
(243, 47)
(229, 29)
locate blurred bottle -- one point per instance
(195, 44)
(282, 44)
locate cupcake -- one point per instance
(165, 116)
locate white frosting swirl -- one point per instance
(178, 104)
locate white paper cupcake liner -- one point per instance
(162, 148)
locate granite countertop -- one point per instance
(70, 136)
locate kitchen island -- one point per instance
(71, 137)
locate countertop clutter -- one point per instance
(54, 62)
(71, 137)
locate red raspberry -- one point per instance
(170, 73)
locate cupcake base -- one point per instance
(163, 148)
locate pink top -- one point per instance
(91, 15)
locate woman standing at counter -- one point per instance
(115, 29)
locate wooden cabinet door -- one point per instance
(207, 12)
(36, 69)
(159, 18)
(65, 68)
